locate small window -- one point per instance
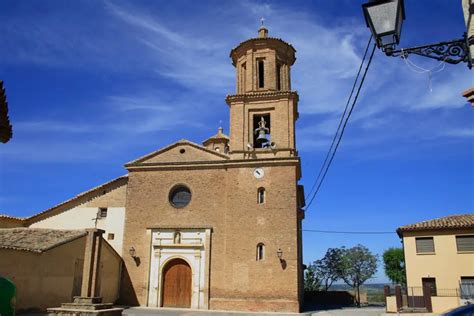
(278, 77)
(261, 71)
(260, 252)
(261, 196)
(465, 243)
(103, 212)
(110, 236)
(424, 245)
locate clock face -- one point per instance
(258, 173)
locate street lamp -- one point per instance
(385, 19)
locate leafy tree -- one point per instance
(329, 268)
(358, 266)
(394, 264)
(311, 281)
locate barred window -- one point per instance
(102, 212)
(465, 243)
(425, 245)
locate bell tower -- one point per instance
(264, 109)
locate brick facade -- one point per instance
(224, 197)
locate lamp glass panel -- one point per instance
(387, 40)
(384, 17)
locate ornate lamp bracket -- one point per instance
(452, 52)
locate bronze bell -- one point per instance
(262, 132)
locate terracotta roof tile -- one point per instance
(447, 222)
(36, 239)
(217, 137)
(13, 218)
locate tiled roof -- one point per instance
(36, 239)
(218, 137)
(12, 218)
(448, 222)
(87, 194)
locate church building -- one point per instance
(213, 226)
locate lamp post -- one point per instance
(385, 20)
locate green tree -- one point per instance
(394, 265)
(358, 266)
(311, 281)
(329, 268)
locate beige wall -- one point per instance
(226, 200)
(111, 272)
(47, 279)
(81, 216)
(444, 304)
(42, 280)
(447, 265)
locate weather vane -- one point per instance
(262, 19)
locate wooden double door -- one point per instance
(177, 284)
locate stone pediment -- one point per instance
(180, 152)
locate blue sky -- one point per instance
(94, 84)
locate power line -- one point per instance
(347, 232)
(341, 120)
(343, 128)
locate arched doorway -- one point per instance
(176, 284)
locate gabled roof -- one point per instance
(462, 221)
(154, 156)
(84, 196)
(36, 239)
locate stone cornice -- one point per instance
(179, 226)
(215, 164)
(261, 96)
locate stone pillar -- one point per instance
(468, 10)
(89, 303)
(398, 297)
(90, 277)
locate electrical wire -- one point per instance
(342, 118)
(347, 232)
(343, 128)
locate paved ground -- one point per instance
(364, 311)
(140, 311)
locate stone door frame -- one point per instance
(194, 248)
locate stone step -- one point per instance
(87, 306)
